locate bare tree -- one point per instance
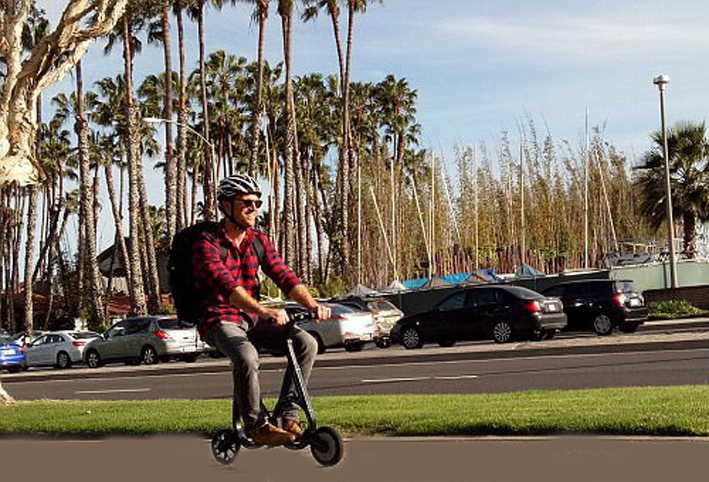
(81, 23)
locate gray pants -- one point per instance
(234, 342)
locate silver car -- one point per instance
(384, 312)
(145, 339)
(346, 327)
(60, 349)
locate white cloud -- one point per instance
(573, 37)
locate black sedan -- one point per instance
(501, 313)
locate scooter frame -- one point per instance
(325, 442)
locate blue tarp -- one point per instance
(455, 279)
(414, 284)
(527, 271)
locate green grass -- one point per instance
(628, 411)
(673, 309)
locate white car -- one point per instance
(346, 327)
(60, 349)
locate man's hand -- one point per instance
(279, 317)
(322, 312)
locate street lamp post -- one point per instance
(661, 82)
(157, 120)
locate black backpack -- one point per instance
(181, 273)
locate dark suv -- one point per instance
(601, 305)
(502, 313)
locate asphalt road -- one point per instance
(187, 459)
(649, 359)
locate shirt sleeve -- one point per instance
(210, 270)
(276, 269)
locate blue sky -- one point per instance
(483, 67)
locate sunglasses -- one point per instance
(250, 203)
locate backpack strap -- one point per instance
(260, 250)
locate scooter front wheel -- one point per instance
(326, 446)
(225, 446)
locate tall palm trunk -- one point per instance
(690, 234)
(258, 104)
(181, 127)
(210, 206)
(29, 258)
(118, 222)
(343, 170)
(170, 163)
(87, 214)
(149, 247)
(131, 141)
(285, 10)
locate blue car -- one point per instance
(12, 355)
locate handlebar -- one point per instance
(294, 317)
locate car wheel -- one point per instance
(149, 356)
(502, 332)
(63, 360)
(383, 343)
(190, 359)
(550, 334)
(446, 343)
(629, 327)
(321, 344)
(602, 325)
(93, 359)
(354, 346)
(411, 338)
(14, 369)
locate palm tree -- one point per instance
(261, 15)
(124, 32)
(342, 241)
(74, 107)
(33, 32)
(687, 148)
(159, 31)
(197, 12)
(285, 10)
(181, 185)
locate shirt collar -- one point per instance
(250, 235)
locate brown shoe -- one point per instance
(267, 434)
(293, 427)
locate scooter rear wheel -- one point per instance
(326, 446)
(225, 446)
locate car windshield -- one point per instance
(83, 335)
(338, 310)
(524, 292)
(174, 324)
(382, 305)
(624, 287)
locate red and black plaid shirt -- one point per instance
(215, 280)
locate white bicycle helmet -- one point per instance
(237, 184)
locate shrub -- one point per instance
(670, 309)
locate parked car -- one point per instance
(502, 313)
(601, 305)
(346, 327)
(60, 349)
(384, 312)
(24, 339)
(12, 355)
(144, 339)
